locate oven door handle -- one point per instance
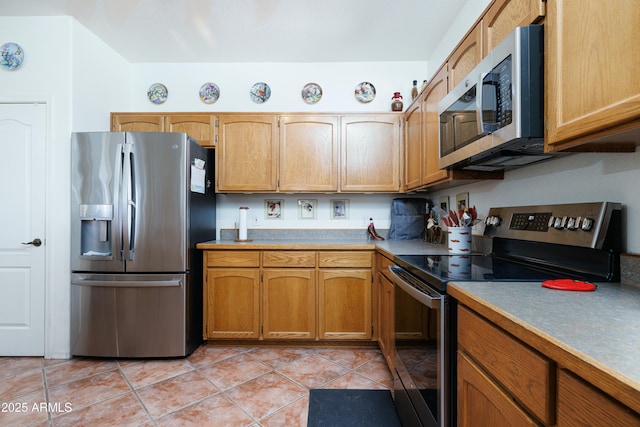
(432, 299)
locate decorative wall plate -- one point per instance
(311, 93)
(365, 92)
(209, 93)
(260, 92)
(11, 56)
(157, 93)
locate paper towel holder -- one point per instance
(243, 224)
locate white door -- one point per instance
(22, 220)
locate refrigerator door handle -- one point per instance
(116, 245)
(129, 204)
(128, 283)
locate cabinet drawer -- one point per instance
(579, 403)
(289, 259)
(383, 265)
(233, 259)
(344, 259)
(524, 373)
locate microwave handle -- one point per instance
(479, 94)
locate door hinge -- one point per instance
(261, 277)
(372, 330)
(215, 138)
(262, 329)
(217, 124)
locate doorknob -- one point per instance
(34, 242)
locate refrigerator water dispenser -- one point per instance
(95, 230)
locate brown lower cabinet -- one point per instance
(502, 381)
(288, 295)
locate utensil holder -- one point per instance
(459, 240)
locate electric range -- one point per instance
(581, 241)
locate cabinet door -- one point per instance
(344, 304)
(308, 153)
(414, 128)
(124, 122)
(467, 55)
(579, 403)
(505, 15)
(435, 91)
(385, 318)
(370, 147)
(289, 300)
(483, 403)
(232, 303)
(591, 75)
(246, 153)
(200, 127)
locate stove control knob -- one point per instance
(587, 224)
(571, 224)
(493, 220)
(578, 222)
(557, 224)
(552, 220)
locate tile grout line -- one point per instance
(135, 393)
(220, 391)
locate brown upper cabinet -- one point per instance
(308, 153)
(134, 122)
(433, 94)
(466, 56)
(246, 154)
(504, 15)
(591, 77)
(413, 141)
(199, 126)
(370, 153)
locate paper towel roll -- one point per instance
(242, 228)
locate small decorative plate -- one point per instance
(311, 93)
(365, 92)
(157, 93)
(11, 56)
(260, 92)
(209, 93)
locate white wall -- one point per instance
(588, 177)
(361, 208)
(338, 82)
(81, 80)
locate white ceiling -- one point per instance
(257, 30)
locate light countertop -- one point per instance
(390, 247)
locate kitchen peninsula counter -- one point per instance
(595, 335)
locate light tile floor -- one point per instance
(215, 386)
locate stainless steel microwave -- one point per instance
(493, 119)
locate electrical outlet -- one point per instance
(256, 221)
(365, 221)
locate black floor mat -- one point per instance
(351, 408)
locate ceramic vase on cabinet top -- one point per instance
(396, 103)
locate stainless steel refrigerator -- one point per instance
(140, 202)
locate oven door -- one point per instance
(421, 359)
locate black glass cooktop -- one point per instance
(437, 270)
